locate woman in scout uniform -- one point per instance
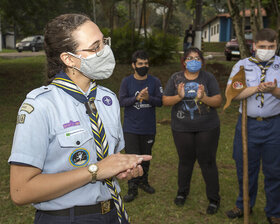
(65, 154)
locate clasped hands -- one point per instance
(143, 95)
(267, 87)
(200, 91)
(122, 166)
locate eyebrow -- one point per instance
(93, 44)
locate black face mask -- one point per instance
(142, 71)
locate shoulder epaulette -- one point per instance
(36, 92)
(106, 89)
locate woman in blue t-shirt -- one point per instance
(194, 96)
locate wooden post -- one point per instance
(245, 162)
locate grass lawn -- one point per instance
(19, 76)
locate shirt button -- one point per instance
(78, 142)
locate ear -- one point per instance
(67, 59)
(133, 65)
(254, 46)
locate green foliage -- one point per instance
(214, 46)
(158, 44)
(122, 44)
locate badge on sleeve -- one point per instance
(107, 100)
(276, 66)
(27, 108)
(21, 118)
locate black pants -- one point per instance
(201, 146)
(108, 218)
(141, 145)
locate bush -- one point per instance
(214, 46)
(160, 47)
(158, 44)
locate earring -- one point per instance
(73, 71)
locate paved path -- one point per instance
(21, 54)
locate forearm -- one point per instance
(127, 101)
(171, 100)
(213, 101)
(247, 92)
(29, 185)
(155, 101)
(276, 92)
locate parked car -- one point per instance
(232, 48)
(32, 43)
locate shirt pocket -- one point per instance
(112, 135)
(252, 78)
(74, 138)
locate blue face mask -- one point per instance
(193, 66)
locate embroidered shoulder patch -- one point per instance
(21, 118)
(107, 100)
(27, 108)
(237, 85)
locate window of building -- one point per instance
(214, 30)
(218, 28)
(205, 33)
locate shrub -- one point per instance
(158, 44)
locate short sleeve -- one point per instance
(213, 86)
(170, 87)
(31, 138)
(234, 70)
(121, 144)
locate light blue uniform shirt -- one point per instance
(253, 78)
(53, 133)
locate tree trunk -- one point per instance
(140, 21)
(237, 22)
(145, 19)
(108, 8)
(253, 22)
(243, 15)
(259, 17)
(168, 16)
(276, 8)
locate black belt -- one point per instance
(102, 207)
(263, 118)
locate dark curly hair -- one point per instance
(141, 54)
(59, 39)
(196, 50)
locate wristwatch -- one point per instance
(93, 168)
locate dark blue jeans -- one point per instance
(98, 218)
(263, 145)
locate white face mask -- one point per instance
(265, 55)
(97, 66)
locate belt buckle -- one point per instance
(259, 119)
(105, 206)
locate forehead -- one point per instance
(87, 34)
(139, 60)
(193, 54)
(265, 43)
